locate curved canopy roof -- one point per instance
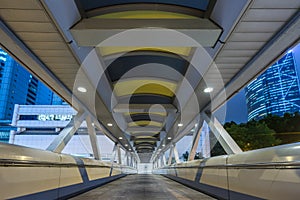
(147, 75)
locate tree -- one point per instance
(185, 156)
(252, 135)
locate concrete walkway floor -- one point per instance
(143, 187)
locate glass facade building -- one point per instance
(276, 91)
(18, 86)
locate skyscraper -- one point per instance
(276, 91)
(18, 86)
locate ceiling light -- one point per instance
(82, 89)
(159, 149)
(129, 149)
(196, 125)
(208, 89)
(180, 125)
(120, 138)
(109, 124)
(126, 145)
(163, 145)
(169, 138)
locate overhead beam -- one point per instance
(146, 130)
(93, 31)
(143, 108)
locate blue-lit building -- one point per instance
(276, 91)
(18, 86)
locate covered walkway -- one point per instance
(146, 187)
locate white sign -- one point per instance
(54, 117)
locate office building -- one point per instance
(276, 91)
(18, 86)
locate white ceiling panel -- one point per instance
(229, 60)
(22, 4)
(17, 15)
(237, 53)
(39, 37)
(259, 27)
(250, 37)
(55, 53)
(276, 4)
(47, 45)
(32, 27)
(66, 66)
(243, 45)
(277, 15)
(58, 60)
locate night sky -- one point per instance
(236, 106)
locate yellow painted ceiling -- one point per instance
(145, 137)
(136, 132)
(138, 86)
(145, 14)
(183, 51)
(142, 141)
(163, 114)
(144, 123)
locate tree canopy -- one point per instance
(252, 135)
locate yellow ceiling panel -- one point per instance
(143, 86)
(144, 137)
(105, 51)
(144, 123)
(138, 132)
(145, 14)
(143, 113)
(144, 141)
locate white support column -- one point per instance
(131, 160)
(222, 135)
(127, 158)
(195, 142)
(114, 153)
(66, 134)
(176, 154)
(14, 120)
(205, 141)
(119, 155)
(170, 155)
(164, 160)
(93, 138)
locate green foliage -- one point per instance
(287, 123)
(185, 156)
(252, 135)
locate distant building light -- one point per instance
(82, 89)
(208, 90)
